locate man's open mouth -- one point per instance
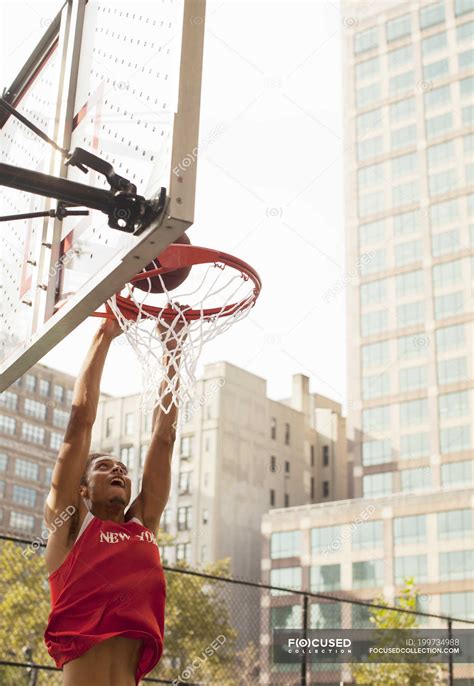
(117, 481)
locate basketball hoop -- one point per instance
(166, 335)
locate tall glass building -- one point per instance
(409, 96)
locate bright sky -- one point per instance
(270, 188)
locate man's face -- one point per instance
(107, 482)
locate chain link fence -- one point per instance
(218, 630)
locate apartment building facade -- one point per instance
(237, 455)
(34, 412)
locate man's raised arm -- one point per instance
(72, 457)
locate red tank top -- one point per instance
(111, 584)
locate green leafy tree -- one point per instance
(393, 674)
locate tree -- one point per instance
(393, 674)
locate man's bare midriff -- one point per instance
(110, 663)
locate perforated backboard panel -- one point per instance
(135, 103)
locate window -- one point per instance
(411, 346)
(166, 520)
(368, 535)
(32, 433)
(431, 15)
(186, 446)
(466, 87)
(436, 126)
(325, 489)
(406, 223)
(369, 121)
(287, 434)
(374, 322)
(456, 564)
(444, 212)
(30, 383)
(9, 400)
(376, 452)
(324, 539)
(436, 70)
(413, 378)
(26, 469)
(48, 475)
(450, 338)
(401, 138)
(287, 467)
(409, 530)
(411, 567)
(415, 479)
(405, 193)
(273, 428)
(7, 424)
(403, 109)
(367, 574)
(184, 518)
(58, 393)
(405, 164)
(286, 500)
(376, 385)
(325, 455)
(286, 577)
(465, 31)
(183, 552)
(369, 148)
(33, 408)
(454, 524)
(366, 40)
(325, 615)
(466, 59)
(109, 427)
(272, 497)
(375, 264)
(448, 273)
(468, 115)
(377, 485)
(451, 371)
(414, 412)
(129, 424)
(443, 182)
(373, 292)
(325, 578)
(375, 354)
(312, 455)
(411, 314)
(373, 175)
(285, 544)
(286, 617)
(397, 58)
(401, 83)
(272, 463)
(459, 605)
(311, 489)
(3, 462)
(463, 6)
(44, 387)
(457, 473)
(455, 438)
(24, 496)
(376, 418)
(148, 420)
(60, 418)
(371, 233)
(433, 43)
(398, 27)
(184, 482)
(69, 396)
(55, 440)
(444, 243)
(409, 283)
(437, 97)
(24, 522)
(367, 95)
(365, 70)
(127, 455)
(414, 445)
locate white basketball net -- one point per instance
(169, 358)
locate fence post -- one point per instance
(305, 635)
(450, 657)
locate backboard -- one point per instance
(124, 82)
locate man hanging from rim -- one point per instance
(108, 590)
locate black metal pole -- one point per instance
(67, 191)
(450, 657)
(305, 635)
